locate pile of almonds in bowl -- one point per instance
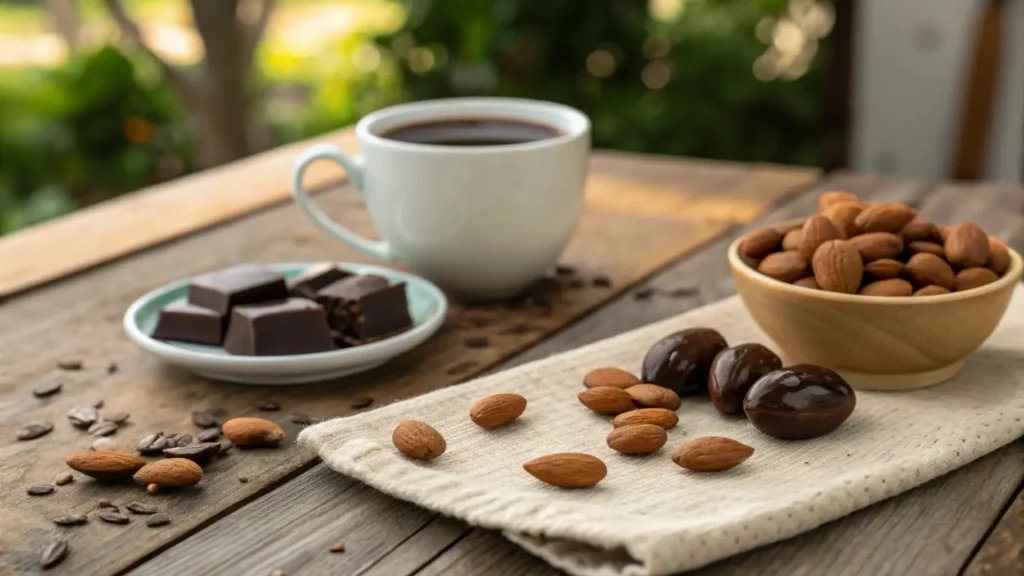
(876, 250)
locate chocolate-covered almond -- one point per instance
(682, 361)
(799, 402)
(734, 371)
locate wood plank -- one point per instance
(81, 316)
(1002, 553)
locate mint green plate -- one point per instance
(427, 306)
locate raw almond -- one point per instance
(105, 464)
(884, 268)
(877, 245)
(637, 438)
(252, 432)
(816, 231)
(835, 197)
(567, 469)
(974, 277)
(925, 269)
(615, 377)
(711, 454)
(844, 216)
(967, 246)
(890, 287)
(606, 399)
(999, 255)
(652, 396)
(791, 241)
(944, 232)
(418, 440)
(885, 218)
(497, 410)
(808, 282)
(927, 247)
(932, 290)
(838, 267)
(657, 416)
(760, 242)
(170, 472)
(920, 230)
(784, 266)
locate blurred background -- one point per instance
(102, 97)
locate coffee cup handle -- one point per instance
(353, 166)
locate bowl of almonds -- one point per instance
(889, 300)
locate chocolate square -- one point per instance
(306, 284)
(292, 326)
(189, 323)
(246, 284)
(366, 308)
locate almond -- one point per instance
(835, 197)
(615, 377)
(567, 469)
(760, 242)
(252, 432)
(657, 416)
(787, 227)
(497, 410)
(920, 230)
(974, 277)
(838, 267)
(877, 245)
(925, 269)
(816, 231)
(890, 287)
(884, 268)
(170, 472)
(808, 282)
(606, 399)
(637, 438)
(418, 440)
(784, 266)
(652, 396)
(967, 246)
(999, 255)
(105, 464)
(885, 218)
(791, 241)
(844, 216)
(711, 454)
(927, 247)
(932, 290)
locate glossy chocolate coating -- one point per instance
(734, 371)
(682, 361)
(189, 323)
(245, 284)
(799, 402)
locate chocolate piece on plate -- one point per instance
(237, 286)
(312, 279)
(292, 326)
(366, 308)
(189, 323)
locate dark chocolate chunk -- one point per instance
(477, 342)
(159, 519)
(48, 387)
(293, 326)
(311, 280)
(33, 431)
(190, 323)
(71, 520)
(54, 554)
(245, 284)
(366, 308)
(362, 402)
(40, 489)
(70, 364)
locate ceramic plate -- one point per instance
(427, 305)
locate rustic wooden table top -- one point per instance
(649, 222)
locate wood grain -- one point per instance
(81, 317)
(1002, 553)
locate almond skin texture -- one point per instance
(932, 290)
(652, 396)
(838, 267)
(606, 400)
(884, 218)
(170, 472)
(791, 241)
(928, 247)
(844, 216)
(106, 464)
(497, 410)
(711, 454)
(877, 245)
(890, 287)
(967, 246)
(784, 266)
(925, 269)
(418, 440)
(920, 230)
(999, 255)
(657, 416)
(884, 268)
(760, 242)
(944, 232)
(808, 282)
(637, 439)
(974, 277)
(567, 469)
(835, 197)
(615, 377)
(816, 231)
(252, 432)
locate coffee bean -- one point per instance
(339, 547)
(679, 291)
(267, 406)
(104, 443)
(602, 282)
(83, 417)
(140, 508)
(103, 428)
(209, 435)
(301, 418)
(643, 293)
(362, 402)
(70, 364)
(117, 417)
(477, 342)
(460, 368)
(33, 431)
(151, 444)
(158, 520)
(54, 554)
(576, 283)
(40, 489)
(198, 453)
(204, 419)
(71, 520)
(64, 479)
(98, 404)
(183, 440)
(104, 503)
(112, 368)
(48, 387)
(243, 479)
(225, 445)
(113, 516)
(564, 270)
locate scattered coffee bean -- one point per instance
(198, 453)
(104, 443)
(113, 516)
(112, 368)
(480, 321)
(460, 368)
(204, 419)
(33, 431)
(54, 554)
(158, 520)
(267, 406)
(602, 282)
(362, 402)
(48, 387)
(71, 520)
(339, 547)
(564, 270)
(64, 479)
(40, 489)
(153, 488)
(104, 503)
(301, 418)
(679, 291)
(151, 444)
(243, 479)
(83, 417)
(209, 435)
(225, 445)
(70, 364)
(576, 283)
(183, 440)
(477, 342)
(217, 412)
(117, 417)
(103, 428)
(98, 404)
(643, 293)
(140, 508)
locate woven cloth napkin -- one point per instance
(648, 516)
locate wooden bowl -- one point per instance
(875, 342)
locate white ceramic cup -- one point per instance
(482, 221)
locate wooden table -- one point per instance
(649, 221)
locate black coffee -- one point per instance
(472, 132)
